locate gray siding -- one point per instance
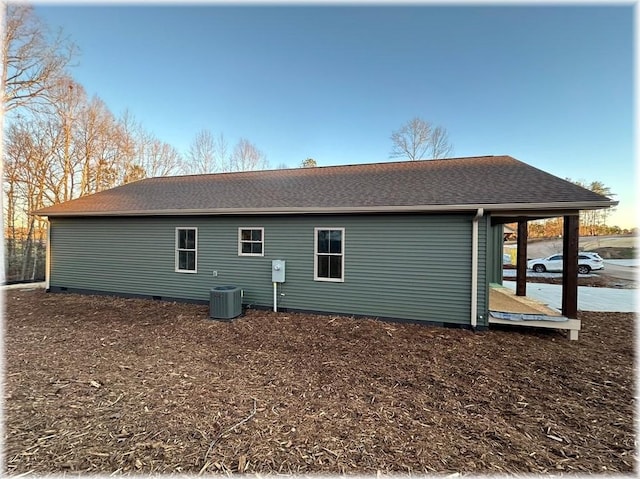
(397, 266)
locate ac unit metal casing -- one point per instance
(225, 302)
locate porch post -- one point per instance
(570, 238)
(521, 259)
(47, 258)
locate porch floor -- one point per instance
(507, 308)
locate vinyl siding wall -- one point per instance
(396, 266)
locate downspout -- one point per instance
(474, 267)
(47, 261)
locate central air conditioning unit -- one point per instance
(225, 302)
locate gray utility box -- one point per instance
(225, 302)
(277, 271)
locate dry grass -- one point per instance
(101, 385)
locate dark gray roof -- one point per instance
(496, 183)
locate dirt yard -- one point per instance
(598, 279)
(102, 385)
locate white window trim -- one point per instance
(316, 254)
(177, 250)
(240, 253)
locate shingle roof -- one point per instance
(493, 182)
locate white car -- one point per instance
(587, 262)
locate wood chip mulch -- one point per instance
(111, 385)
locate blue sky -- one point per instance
(549, 85)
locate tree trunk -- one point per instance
(27, 250)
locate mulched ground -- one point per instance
(101, 385)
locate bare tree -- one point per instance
(439, 147)
(68, 101)
(203, 155)
(210, 154)
(3, 82)
(418, 139)
(31, 60)
(222, 152)
(156, 157)
(246, 157)
(59, 145)
(130, 132)
(29, 153)
(140, 154)
(99, 147)
(11, 163)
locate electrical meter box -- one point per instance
(277, 271)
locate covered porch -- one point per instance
(505, 307)
(515, 308)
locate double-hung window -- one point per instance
(186, 250)
(251, 241)
(329, 254)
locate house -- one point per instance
(416, 240)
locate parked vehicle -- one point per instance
(587, 262)
(595, 256)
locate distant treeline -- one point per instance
(552, 228)
(61, 144)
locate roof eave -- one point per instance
(506, 208)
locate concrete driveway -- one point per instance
(589, 298)
(24, 286)
(621, 268)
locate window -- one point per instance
(186, 250)
(250, 241)
(329, 254)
